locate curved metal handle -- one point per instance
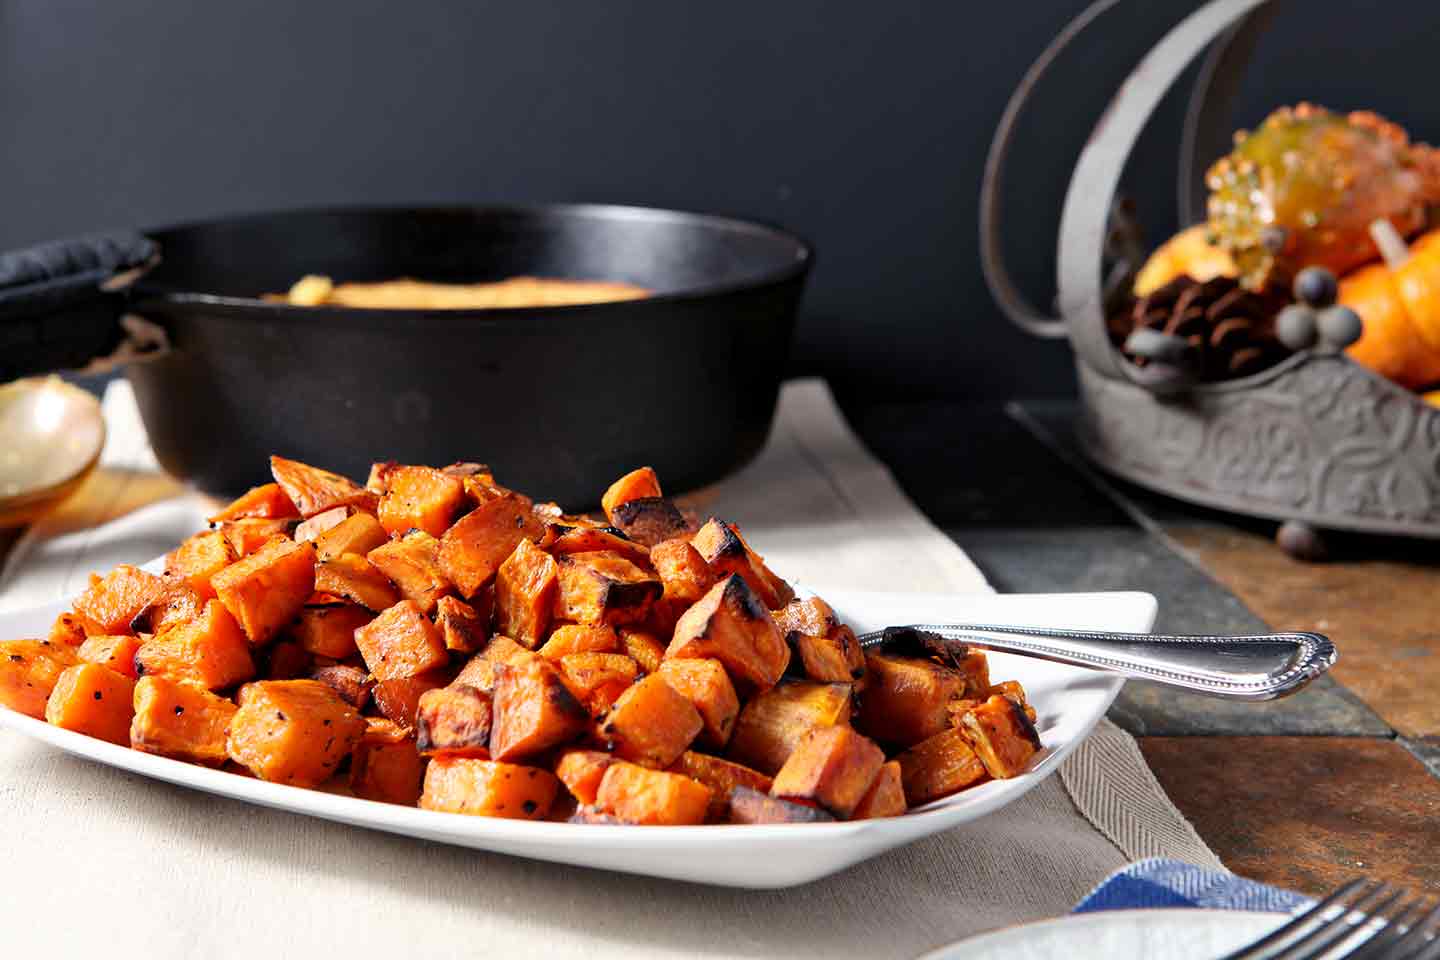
(1259, 667)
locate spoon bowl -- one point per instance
(51, 435)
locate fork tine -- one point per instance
(1299, 922)
(1337, 929)
(1417, 942)
(1379, 946)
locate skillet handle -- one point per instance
(61, 302)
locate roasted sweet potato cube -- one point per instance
(708, 688)
(772, 723)
(726, 551)
(975, 667)
(266, 500)
(461, 625)
(479, 670)
(939, 766)
(251, 533)
(313, 490)
(752, 806)
(210, 651)
(810, 616)
(378, 480)
(486, 788)
(832, 767)
(399, 700)
(351, 683)
(642, 647)
(651, 724)
(525, 590)
(180, 721)
(353, 577)
(385, 766)
(571, 638)
(603, 587)
(1002, 735)
(328, 629)
(598, 679)
(907, 699)
(475, 546)
(886, 796)
(730, 625)
(651, 520)
(93, 700)
(174, 604)
(28, 671)
(454, 720)
(828, 649)
(581, 771)
(358, 533)
(292, 731)
(651, 797)
(111, 602)
(685, 574)
(412, 563)
(116, 652)
(310, 530)
(285, 660)
(199, 558)
(401, 642)
(635, 485)
(68, 630)
(268, 589)
(567, 539)
(534, 710)
(420, 498)
(721, 776)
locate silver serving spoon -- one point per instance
(51, 434)
(1261, 667)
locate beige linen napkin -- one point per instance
(103, 863)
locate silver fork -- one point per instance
(1362, 920)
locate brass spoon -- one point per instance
(51, 434)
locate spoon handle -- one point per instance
(1259, 667)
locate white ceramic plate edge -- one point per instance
(1133, 934)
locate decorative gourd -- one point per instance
(1187, 254)
(1399, 300)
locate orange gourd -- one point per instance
(1399, 301)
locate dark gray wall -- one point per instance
(862, 125)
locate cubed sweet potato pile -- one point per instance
(434, 638)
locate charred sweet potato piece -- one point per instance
(534, 710)
(726, 551)
(828, 649)
(420, 498)
(708, 688)
(685, 576)
(251, 533)
(412, 563)
(975, 667)
(907, 699)
(116, 652)
(831, 767)
(1002, 736)
(399, 700)
(773, 723)
(525, 590)
(581, 771)
(479, 670)
(1013, 690)
(571, 638)
(454, 720)
(461, 626)
(67, 630)
(358, 533)
(567, 539)
(351, 683)
(111, 602)
(603, 587)
(642, 647)
(311, 529)
(385, 766)
(174, 604)
(266, 590)
(292, 731)
(473, 549)
(328, 629)
(651, 724)
(180, 721)
(401, 642)
(652, 797)
(313, 490)
(93, 700)
(721, 776)
(598, 679)
(886, 796)
(353, 577)
(730, 625)
(939, 766)
(199, 558)
(285, 660)
(651, 520)
(210, 651)
(266, 500)
(752, 806)
(28, 671)
(486, 788)
(635, 485)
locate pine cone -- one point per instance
(1230, 331)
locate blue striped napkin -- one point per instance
(1158, 882)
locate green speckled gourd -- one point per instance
(1303, 189)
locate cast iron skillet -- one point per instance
(557, 400)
